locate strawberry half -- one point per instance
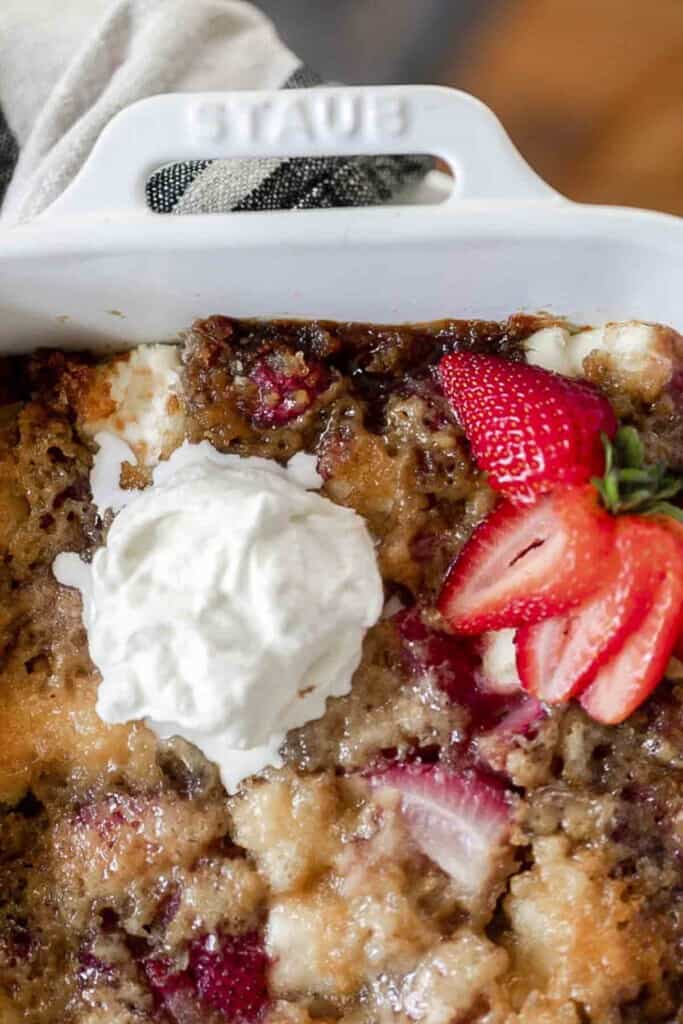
(460, 820)
(626, 679)
(530, 429)
(522, 565)
(559, 657)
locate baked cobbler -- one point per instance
(486, 825)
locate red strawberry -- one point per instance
(558, 658)
(522, 565)
(630, 675)
(529, 429)
(460, 820)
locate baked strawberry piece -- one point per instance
(452, 660)
(286, 387)
(174, 991)
(225, 973)
(455, 665)
(460, 820)
(230, 974)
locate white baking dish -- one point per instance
(503, 241)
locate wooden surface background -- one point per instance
(590, 90)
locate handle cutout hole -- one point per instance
(297, 183)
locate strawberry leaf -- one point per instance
(629, 447)
(665, 508)
(630, 484)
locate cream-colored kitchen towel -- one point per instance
(67, 66)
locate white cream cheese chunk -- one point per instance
(499, 660)
(228, 603)
(136, 397)
(641, 356)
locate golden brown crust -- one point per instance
(116, 847)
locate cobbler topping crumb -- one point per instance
(436, 847)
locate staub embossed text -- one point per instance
(300, 117)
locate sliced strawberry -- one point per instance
(529, 429)
(522, 565)
(630, 675)
(460, 820)
(558, 658)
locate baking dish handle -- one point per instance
(330, 121)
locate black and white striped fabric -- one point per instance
(219, 186)
(9, 153)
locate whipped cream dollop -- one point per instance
(228, 603)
